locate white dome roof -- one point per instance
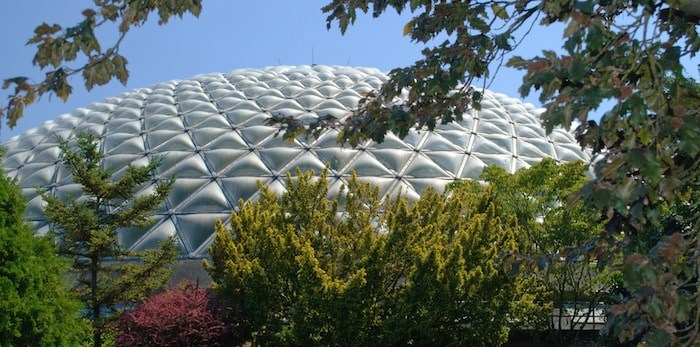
(211, 134)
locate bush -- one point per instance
(36, 305)
(184, 316)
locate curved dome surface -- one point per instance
(210, 132)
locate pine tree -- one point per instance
(107, 276)
(36, 306)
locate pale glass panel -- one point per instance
(424, 167)
(366, 165)
(208, 199)
(184, 188)
(195, 229)
(249, 165)
(393, 159)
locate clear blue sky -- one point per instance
(227, 35)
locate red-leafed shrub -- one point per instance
(184, 316)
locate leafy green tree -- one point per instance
(380, 273)
(553, 227)
(36, 305)
(57, 47)
(627, 51)
(107, 276)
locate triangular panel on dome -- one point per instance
(421, 184)
(254, 135)
(241, 187)
(436, 142)
(529, 149)
(524, 118)
(200, 120)
(392, 141)
(493, 114)
(127, 237)
(529, 131)
(94, 129)
(561, 136)
(336, 158)
(156, 138)
(230, 140)
(335, 186)
(170, 159)
(158, 234)
(568, 153)
(47, 153)
(248, 165)
(189, 167)
(160, 108)
(393, 159)
(130, 145)
(449, 161)
(35, 208)
(269, 101)
(30, 169)
(366, 165)
(309, 101)
(404, 189)
(422, 166)
(210, 198)
(196, 105)
(279, 141)
(501, 160)
(125, 112)
(203, 135)
(39, 177)
(491, 144)
(161, 122)
(472, 168)
(180, 142)
(383, 183)
(184, 188)
(195, 229)
(113, 141)
(306, 162)
(493, 127)
(524, 162)
(459, 136)
(277, 185)
(277, 158)
(124, 126)
(328, 139)
(218, 159)
(16, 158)
(289, 104)
(233, 101)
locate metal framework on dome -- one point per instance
(211, 133)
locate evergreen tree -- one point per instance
(36, 306)
(107, 276)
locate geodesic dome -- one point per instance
(211, 133)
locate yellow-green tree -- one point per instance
(353, 270)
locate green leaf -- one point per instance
(120, 70)
(499, 11)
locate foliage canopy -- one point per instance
(36, 305)
(309, 270)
